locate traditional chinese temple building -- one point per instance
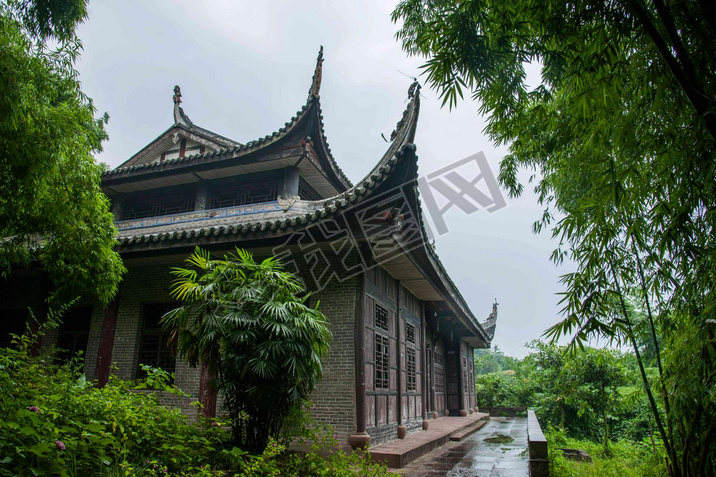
(403, 335)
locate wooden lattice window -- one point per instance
(410, 333)
(156, 349)
(381, 361)
(155, 205)
(439, 373)
(306, 192)
(244, 193)
(381, 317)
(411, 369)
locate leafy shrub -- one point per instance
(54, 422)
(624, 458)
(325, 459)
(251, 324)
(501, 390)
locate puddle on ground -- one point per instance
(499, 439)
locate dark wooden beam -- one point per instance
(460, 380)
(424, 362)
(360, 439)
(290, 182)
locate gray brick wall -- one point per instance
(334, 399)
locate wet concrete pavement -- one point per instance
(476, 458)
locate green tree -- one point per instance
(52, 209)
(494, 360)
(620, 129)
(581, 385)
(263, 343)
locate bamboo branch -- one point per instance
(652, 403)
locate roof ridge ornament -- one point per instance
(490, 324)
(414, 88)
(317, 74)
(413, 94)
(179, 116)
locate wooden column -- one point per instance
(460, 381)
(106, 342)
(432, 379)
(202, 196)
(290, 182)
(117, 208)
(424, 366)
(402, 430)
(207, 395)
(360, 439)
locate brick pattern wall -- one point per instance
(143, 285)
(334, 399)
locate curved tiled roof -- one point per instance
(402, 147)
(312, 105)
(400, 150)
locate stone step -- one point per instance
(463, 433)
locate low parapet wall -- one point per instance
(504, 411)
(537, 444)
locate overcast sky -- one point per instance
(245, 68)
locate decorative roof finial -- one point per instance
(179, 116)
(414, 88)
(316, 84)
(177, 94)
(490, 324)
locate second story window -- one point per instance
(244, 193)
(158, 204)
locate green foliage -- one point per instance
(54, 422)
(494, 360)
(625, 458)
(620, 130)
(51, 205)
(261, 341)
(325, 459)
(581, 387)
(503, 390)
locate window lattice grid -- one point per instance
(155, 206)
(411, 377)
(410, 333)
(244, 194)
(439, 373)
(156, 348)
(381, 361)
(381, 317)
(306, 192)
